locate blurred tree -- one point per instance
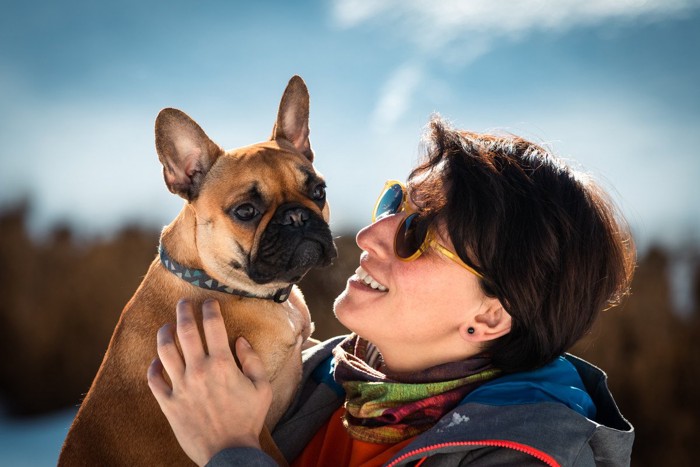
(651, 358)
(321, 286)
(62, 299)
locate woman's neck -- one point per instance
(415, 359)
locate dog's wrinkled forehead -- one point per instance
(264, 172)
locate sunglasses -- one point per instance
(410, 240)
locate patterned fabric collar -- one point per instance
(385, 408)
(201, 279)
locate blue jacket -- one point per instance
(561, 414)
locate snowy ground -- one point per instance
(33, 441)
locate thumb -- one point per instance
(251, 364)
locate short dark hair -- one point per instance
(551, 245)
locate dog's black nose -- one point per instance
(295, 217)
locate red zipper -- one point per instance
(544, 457)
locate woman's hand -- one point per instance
(212, 405)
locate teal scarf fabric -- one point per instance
(381, 409)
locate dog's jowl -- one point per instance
(255, 220)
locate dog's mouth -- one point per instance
(288, 257)
(307, 255)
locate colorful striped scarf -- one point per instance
(381, 409)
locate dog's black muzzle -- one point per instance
(296, 240)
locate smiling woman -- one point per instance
(393, 314)
(473, 282)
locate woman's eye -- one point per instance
(319, 193)
(245, 212)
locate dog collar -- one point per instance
(201, 279)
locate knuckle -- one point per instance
(212, 319)
(167, 351)
(220, 363)
(187, 329)
(197, 372)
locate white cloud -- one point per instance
(349, 13)
(395, 96)
(87, 162)
(433, 24)
(457, 32)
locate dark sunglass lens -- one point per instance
(389, 202)
(409, 237)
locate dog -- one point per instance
(254, 222)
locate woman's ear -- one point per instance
(490, 322)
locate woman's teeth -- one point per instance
(369, 280)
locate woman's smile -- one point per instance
(364, 277)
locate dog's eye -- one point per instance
(319, 193)
(245, 212)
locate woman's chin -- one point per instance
(357, 306)
(340, 304)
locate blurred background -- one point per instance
(609, 86)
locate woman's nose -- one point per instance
(377, 238)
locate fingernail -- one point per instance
(245, 342)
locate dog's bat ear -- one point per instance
(185, 151)
(293, 117)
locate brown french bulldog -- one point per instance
(254, 222)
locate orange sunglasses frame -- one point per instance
(429, 242)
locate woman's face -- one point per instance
(415, 311)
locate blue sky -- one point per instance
(609, 85)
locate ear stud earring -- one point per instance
(470, 330)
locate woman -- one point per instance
(473, 282)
